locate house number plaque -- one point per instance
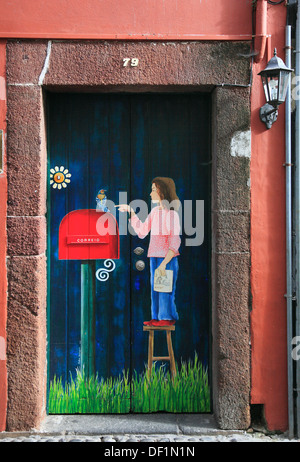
(133, 62)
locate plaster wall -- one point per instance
(131, 20)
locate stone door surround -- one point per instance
(35, 67)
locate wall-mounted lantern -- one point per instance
(275, 80)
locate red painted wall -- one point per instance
(3, 284)
(268, 263)
(130, 19)
(202, 20)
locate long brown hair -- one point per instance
(167, 192)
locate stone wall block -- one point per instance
(232, 339)
(27, 282)
(26, 235)
(160, 63)
(231, 231)
(26, 157)
(26, 342)
(26, 351)
(25, 61)
(228, 197)
(231, 174)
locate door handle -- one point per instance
(138, 250)
(140, 265)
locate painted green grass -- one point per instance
(188, 391)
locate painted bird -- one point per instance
(101, 201)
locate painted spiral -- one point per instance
(102, 274)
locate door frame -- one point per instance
(164, 66)
(138, 341)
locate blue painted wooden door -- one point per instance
(119, 143)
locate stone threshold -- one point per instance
(126, 424)
(160, 423)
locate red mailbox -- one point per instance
(89, 235)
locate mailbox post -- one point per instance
(88, 291)
(88, 235)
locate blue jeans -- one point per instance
(163, 304)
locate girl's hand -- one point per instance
(162, 269)
(125, 208)
(166, 260)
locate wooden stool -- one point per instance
(151, 358)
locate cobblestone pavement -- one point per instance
(190, 439)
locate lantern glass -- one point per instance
(264, 80)
(271, 85)
(283, 86)
(273, 88)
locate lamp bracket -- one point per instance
(268, 114)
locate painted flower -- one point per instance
(59, 177)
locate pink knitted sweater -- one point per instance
(164, 225)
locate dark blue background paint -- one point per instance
(120, 143)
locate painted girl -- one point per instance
(164, 226)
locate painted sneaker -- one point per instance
(164, 322)
(150, 323)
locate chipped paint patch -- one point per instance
(2, 349)
(2, 89)
(241, 144)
